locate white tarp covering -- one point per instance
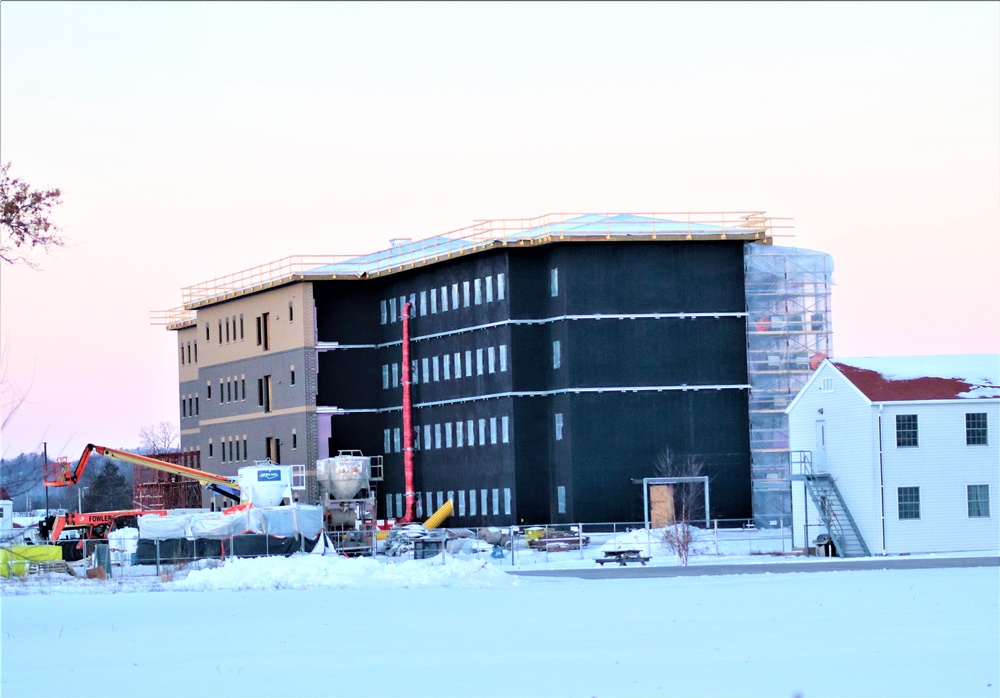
(162, 527)
(289, 521)
(284, 522)
(218, 525)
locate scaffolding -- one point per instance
(155, 489)
(788, 336)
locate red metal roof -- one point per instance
(878, 388)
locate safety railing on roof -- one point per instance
(403, 254)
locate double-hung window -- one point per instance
(906, 431)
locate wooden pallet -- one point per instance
(51, 567)
(556, 544)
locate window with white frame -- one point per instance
(465, 294)
(561, 499)
(554, 285)
(458, 434)
(505, 429)
(428, 444)
(482, 432)
(477, 289)
(392, 310)
(468, 363)
(556, 354)
(479, 362)
(444, 299)
(826, 385)
(385, 376)
(384, 311)
(470, 433)
(501, 287)
(976, 429)
(454, 296)
(434, 302)
(489, 289)
(906, 431)
(437, 435)
(447, 367)
(395, 440)
(458, 365)
(395, 375)
(447, 435)
(493, 430)
(559, 426)
(908, 502)
(427, 369)
(387, 441)
(435, 369)
(491, 359)
(423, 303)
(298, 476)
(979, 501)
(503, 358)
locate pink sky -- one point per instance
(193, 140)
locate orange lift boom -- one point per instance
(66, 476)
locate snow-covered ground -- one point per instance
(328, 626)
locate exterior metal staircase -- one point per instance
(833, 510)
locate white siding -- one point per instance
(942, 466)
(851, 454)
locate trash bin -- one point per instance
(102, 557)
(825, 546)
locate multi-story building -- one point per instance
(553, 359)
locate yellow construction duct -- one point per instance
(440, 515)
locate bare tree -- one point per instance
(688, 499)
(11, 394)
(159, 438)
(25, 222)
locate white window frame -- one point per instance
(298, 475)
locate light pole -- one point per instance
(79, 499)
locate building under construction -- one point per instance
(549, 362)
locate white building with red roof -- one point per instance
(894, 455)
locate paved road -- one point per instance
(634, 571)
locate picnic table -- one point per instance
(622, 557)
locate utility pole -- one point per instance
(45, 470)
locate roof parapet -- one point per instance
(404, 253)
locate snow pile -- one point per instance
(652, 542)
(312, 571)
